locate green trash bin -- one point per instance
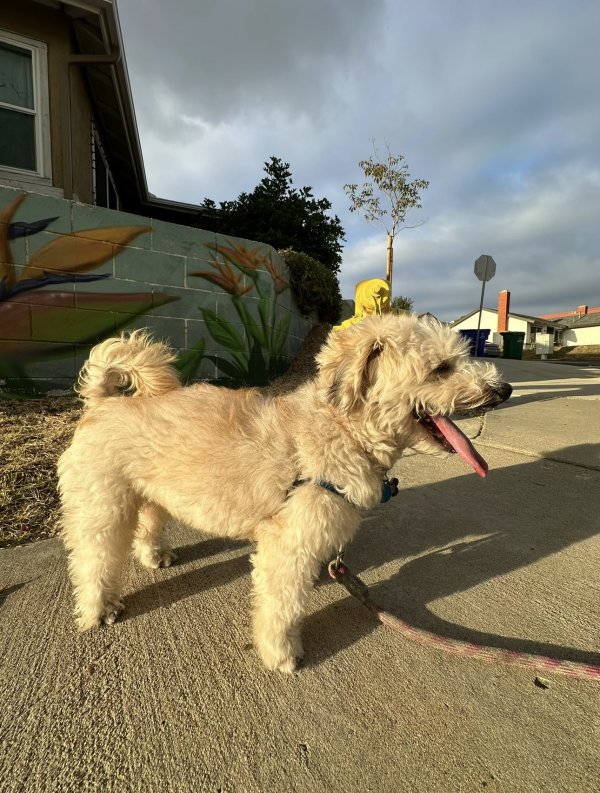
(513, 344)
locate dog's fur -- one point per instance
(225, 461)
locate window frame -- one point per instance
(39, 67)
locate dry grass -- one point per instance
(583, 352)
(34, 433)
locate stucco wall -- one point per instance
(576, 336)
(72, 274)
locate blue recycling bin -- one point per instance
(471, 336)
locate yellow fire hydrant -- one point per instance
(370, 297)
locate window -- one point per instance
(24, 123)
(105, 191)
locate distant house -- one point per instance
(579, 312)
(428, 316)
(581, 326)
(67, 123)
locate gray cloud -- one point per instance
(494, 103)
(216, 58)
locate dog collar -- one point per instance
(389, 487)
(321, 483)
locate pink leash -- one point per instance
(358, 589)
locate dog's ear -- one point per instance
(348, 366)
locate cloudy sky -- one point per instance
(497, 104)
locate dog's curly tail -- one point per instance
(131, 363)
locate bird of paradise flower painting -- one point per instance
(258, 354)
(255, 351)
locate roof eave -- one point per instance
(107, 29)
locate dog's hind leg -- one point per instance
(97, 529)
(149, 545)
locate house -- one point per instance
(581, 326)
(428, 316)
(66, 111)
(86, 250)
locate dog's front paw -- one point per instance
(287, 667)
(107, 615)
(111, 612)
(282, 655)
(286, 664)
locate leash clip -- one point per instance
(335, 564)
(355, 586)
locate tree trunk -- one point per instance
(390, 260)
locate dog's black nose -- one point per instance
(504, 391)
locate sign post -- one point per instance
(485, 269)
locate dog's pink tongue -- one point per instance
(461, 444)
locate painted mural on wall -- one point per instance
(42, 321)
(258, 355)
(66, 259)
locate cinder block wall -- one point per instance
(72, 275)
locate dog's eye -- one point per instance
(443, 370)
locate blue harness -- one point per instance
(389, 487)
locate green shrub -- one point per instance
(401, 305)
(315, 288)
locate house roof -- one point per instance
(585, 321)
(97, 35)
(526, 317)
(576, 313)
(430, 316)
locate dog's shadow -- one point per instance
(336, 627)
(5, 592)
(209, 546)
(342, 624)
(435, 527)
(176, 583)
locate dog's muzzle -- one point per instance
(498, 395)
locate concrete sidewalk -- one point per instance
(173, 698)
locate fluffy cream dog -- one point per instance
(304, 463)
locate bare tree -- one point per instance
(387, 196)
